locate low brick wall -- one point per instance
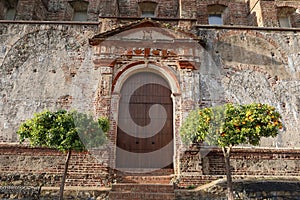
(255, 161)
(244, 162)
(21, 165)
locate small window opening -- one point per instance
(284, 22)
(80, 16)
(80, 10)
(148, 14)
(215, 19)
(216, 14)
(148, 9)
(284, 16)
(10, 14)
(10, 10)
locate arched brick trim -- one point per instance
(135, 67)
(123, 70)
(286, 4)
(285, 9)
(218, 2)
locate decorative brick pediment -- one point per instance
(146, 41)
(186, 65)
(147, 52)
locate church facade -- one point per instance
(145, 65)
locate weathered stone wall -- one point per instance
(51, 66)
(55, 10)
(43, 66)
(52, 193)
(76, 193)
(31, 10)
(243, 189)
(258, 66)
(269, 14)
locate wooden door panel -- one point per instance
(140, 104)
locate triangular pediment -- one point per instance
(143, 30)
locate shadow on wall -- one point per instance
(252, 19)
(239, 54)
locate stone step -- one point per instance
(143, 171)
(140, 196)
(196, 180)
(146, 188)
(121, 191)
(147, 179)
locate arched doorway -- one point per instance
(145, 123)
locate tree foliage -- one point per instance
(62, 130)
(231, 125)
(104, 124)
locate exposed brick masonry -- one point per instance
(41, 166)
(244, 162)
(22, 165)
(245, 12)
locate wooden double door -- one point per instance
(145, 123)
